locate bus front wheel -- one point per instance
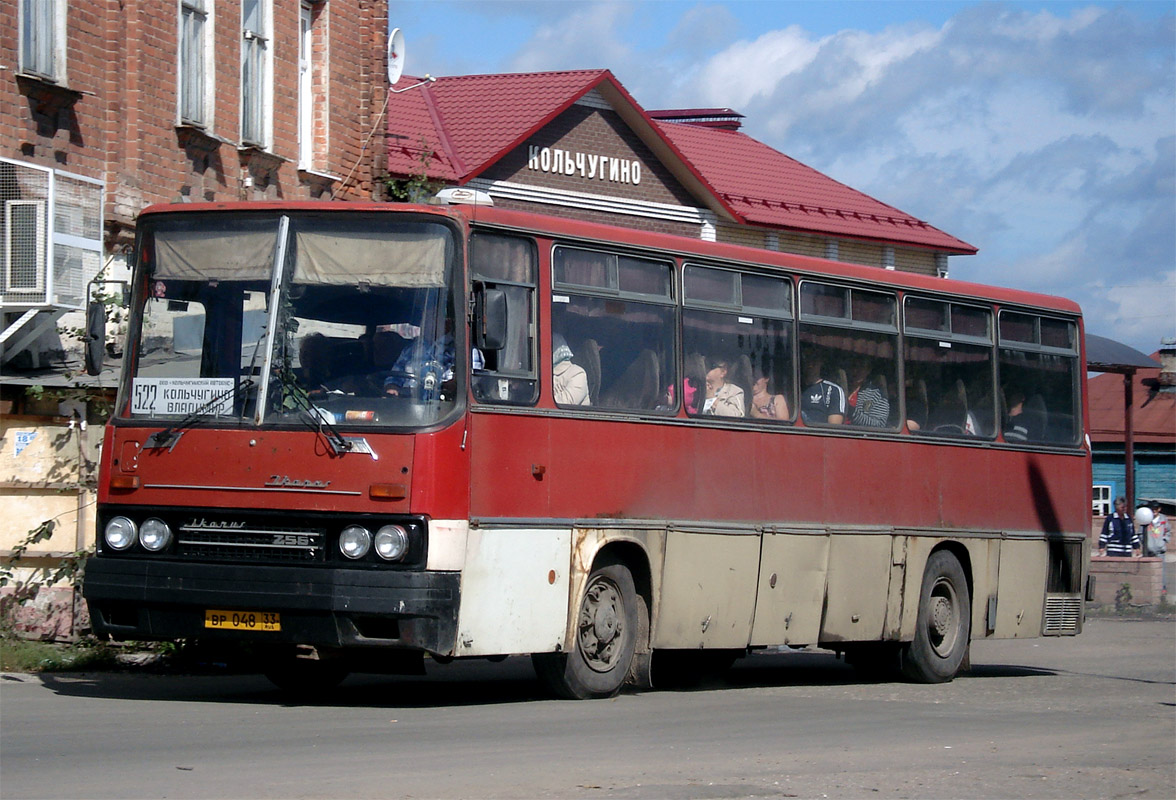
(605, 640)
(944, 624)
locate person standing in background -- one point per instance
(1118, 539)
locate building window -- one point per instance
(193, 68)
(1101, 500)
(255, 68)
(42, 39)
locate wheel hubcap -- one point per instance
(943, 619)
(602, 631)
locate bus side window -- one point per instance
(612, 321)
(1039, 362)
(737, 336)
(848, 356)
(948, 359)
(507, 375)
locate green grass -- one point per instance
(24, 655)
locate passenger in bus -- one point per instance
(823, 402)
(569, 381)
(867, 402)
(765, 403)
(1015, 427)
(723, 399)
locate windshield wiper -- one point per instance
(317, 420)
(169, 436)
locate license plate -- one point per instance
(242, 620)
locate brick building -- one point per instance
(576, 144)
(111, 105)
(107, 106)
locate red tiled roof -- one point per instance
(465, 124)
(470, 121)
(765, 187)
(1155, 410)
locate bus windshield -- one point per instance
(312, 318)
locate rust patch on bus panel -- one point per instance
(589, 543)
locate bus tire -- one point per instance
(605, 639)
(944, 624)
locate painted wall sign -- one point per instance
(587, 165)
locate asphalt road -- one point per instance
(1086, 717)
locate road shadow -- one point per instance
(463, 683)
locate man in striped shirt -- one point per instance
(1119, 537)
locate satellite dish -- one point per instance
(395, 56)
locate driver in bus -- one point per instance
(823, 401)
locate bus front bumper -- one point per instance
(151, 600)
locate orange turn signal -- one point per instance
(388, 491)
(124, 482)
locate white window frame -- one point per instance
(41, 49)
(1101, 506)
(256, 73)
(305, 87)
(195, 69)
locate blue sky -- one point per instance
(1044, 133)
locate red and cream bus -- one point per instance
(349, 435)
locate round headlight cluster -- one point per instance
(154, 535)
(390, 542)
(120, 533)
(355, 541)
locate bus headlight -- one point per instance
(120, 533)
(154, 535)
(391, 542)
(355, 541)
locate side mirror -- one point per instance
(490, 318)
(95, 339)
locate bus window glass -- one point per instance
(949, 376)
(508, 264)
(926, 315)
(873, 307)
(584, 268)
(823, 300)
(849, 371)
(1039, 380)
(737, 366)
(1018, 328)
(709, 285)
(624, 349)
(971, 321)
(1057, 333)
(767, 293)
(639, 276)
(609, 352)
(366, 331)
(198, 333)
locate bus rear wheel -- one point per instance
(606, 638)
(944, 625)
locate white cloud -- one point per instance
(1046, 139)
